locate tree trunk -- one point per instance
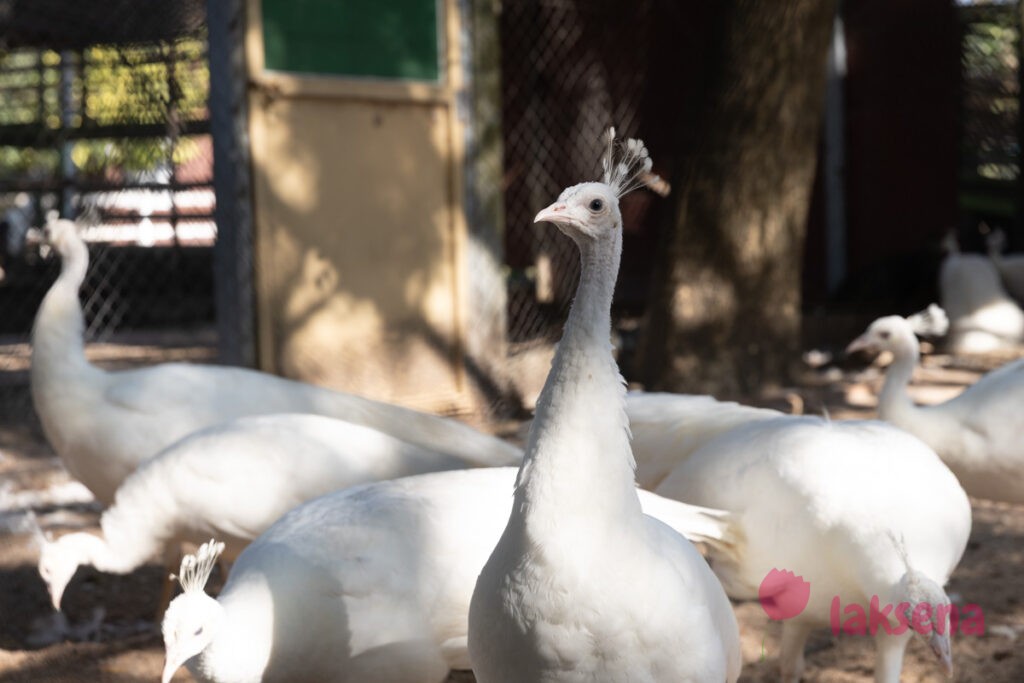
(725, 314)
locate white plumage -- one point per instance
(858, 509)
(103, 424)
(582, 586)
(367, 585)
(983, 317)
(1010, 266)
(231, 481)
(667, 428)
(978, 434)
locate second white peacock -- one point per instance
(865, 513)
(978, 434)
(983, 316)
(104, 424)
(582, 586)
(232, 481)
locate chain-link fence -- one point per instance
(106, 122)
(561, 91)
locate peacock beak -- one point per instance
(939, 643)
(171, 665)
(556, 213)
(34, 237)
(56, 593)
(861, 343)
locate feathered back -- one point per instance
(195, 569)
(631, 170)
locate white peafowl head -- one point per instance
(62, 235)
(924, 605)
(60, 559)
(193, 618)
(590, 211)
(898, 334)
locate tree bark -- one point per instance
(725, 312)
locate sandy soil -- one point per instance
(111, 631)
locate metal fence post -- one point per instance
(233, 250)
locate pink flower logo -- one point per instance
(783, 595)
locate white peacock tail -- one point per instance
(195, 569)
(931, 322)
(632, 168)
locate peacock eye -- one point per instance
(884, 334)
(199, 631)
(596, 205)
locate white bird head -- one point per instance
(590, 211)
(60, 559)
(193, 618)
(62, 235)
(897, 334)
(928, 610)
(585, 211)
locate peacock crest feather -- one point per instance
(195, 569)
(630, 168)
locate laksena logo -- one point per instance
(783, 595)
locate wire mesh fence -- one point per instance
(560, 93)
(106, 123)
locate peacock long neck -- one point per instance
(894, 403)
(578, 460)
(131, 538)
(925, 422)
(98, 552)
(58, 349)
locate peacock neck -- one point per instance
(58, 349)
(131, 539)
(578, 463)
(894, 403)
(242, 625)
(95, 551)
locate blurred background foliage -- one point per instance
(165, 84)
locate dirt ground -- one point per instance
(111, 633)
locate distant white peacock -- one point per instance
(978, 434)
(232, 481)
(862, 511)
(582, 586)
(369, 585)
(983, 317)
(104, 424)
(1010, 266)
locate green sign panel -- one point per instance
(371, 38)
